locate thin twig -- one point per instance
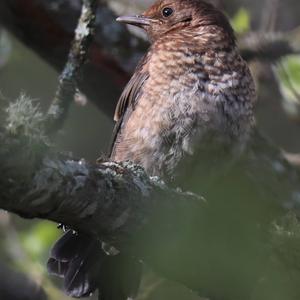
(120, 204)
(293, 158)
(269, 15)
(268, 46)
(69, 76)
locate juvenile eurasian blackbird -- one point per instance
(190, 94)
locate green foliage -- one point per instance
(241, 21)
(290, 65)
(39, 238)
(288, 72)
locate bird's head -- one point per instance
(168, 16)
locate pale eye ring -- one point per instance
(167, 12)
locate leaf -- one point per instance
(39, 238)
(288, 74)
(241, 21)
(291, 65)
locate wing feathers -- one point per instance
(129, 98)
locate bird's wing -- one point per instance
(129, 98)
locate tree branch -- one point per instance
(180, 235)
(16, 286)
(47, 27)
(69, 77)
(93, 198)
(269, 46)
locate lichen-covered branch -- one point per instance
(68, 79)
(47, 27)
(96, 198)
(26, 288)
(220, 247)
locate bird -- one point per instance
(191, 95)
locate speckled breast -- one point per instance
(191, 97)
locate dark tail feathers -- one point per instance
(80, 260)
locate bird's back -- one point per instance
(189, 99)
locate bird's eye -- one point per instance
(167, 12)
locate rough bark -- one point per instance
(68, 80)
(220, 247)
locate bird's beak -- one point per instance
(139, 21)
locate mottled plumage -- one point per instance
(191, 88)
(191, 93)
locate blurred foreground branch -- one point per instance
(15, 286)
(205, 245)
(269, 46)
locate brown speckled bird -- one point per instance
(192, 87)
(191, 93)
